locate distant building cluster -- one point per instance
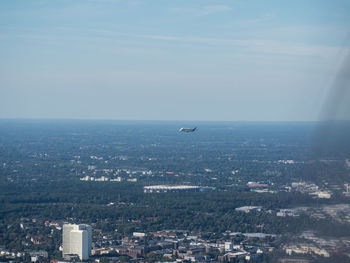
(286, 161)
(171, 245)
(248, 209)
(305, 249)
(112, 175)
(287, 212)
(256, 184)
(347, 190)
(311, 189)
(175, 188)
(107, 179)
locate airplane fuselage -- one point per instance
(187, 129)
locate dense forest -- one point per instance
(42, 163)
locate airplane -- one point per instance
(187, 129)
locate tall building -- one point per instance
(77, 240)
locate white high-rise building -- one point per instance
(77, 240)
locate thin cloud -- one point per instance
(208, 10)
(253, 21)
(259, 46)
(273, 47)
(203, 11)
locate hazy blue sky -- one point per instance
(170, 59)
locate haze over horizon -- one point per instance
(175, 60)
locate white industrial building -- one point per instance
(77, 240)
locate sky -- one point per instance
(209, 60)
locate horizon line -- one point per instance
(163, 120)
